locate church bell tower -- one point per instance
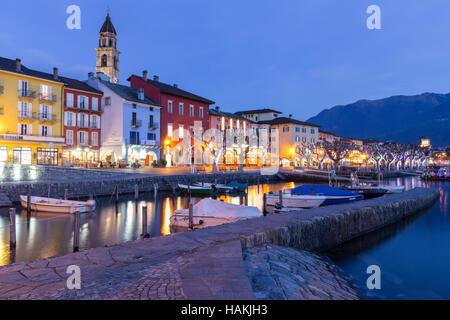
(107, 53)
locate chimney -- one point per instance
(140, 93)
(144, 75)
(55, 73)
(217, 108)
(18, 64)
(175, 85)
(156, 78)
(290, 116)
(90, 75)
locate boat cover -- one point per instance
(235, 184)
(219, 209)
(321, 190)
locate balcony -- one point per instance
(136, 123)
(26, 93)
(83, 125)
(25, 115)
(153, 125)
(94, 126)
(148, 142)
(47, 117)
(47, 98)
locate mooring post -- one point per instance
(66, 191)
(191, 215)
(136, 192)
(144, 222)
(28, 201)
(281, 199)
(76, 232)
(12, 228)
(265, 204)
(117, 193)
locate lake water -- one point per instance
(413, 255)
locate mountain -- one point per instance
(399, 118)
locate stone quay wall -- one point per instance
(125, 182)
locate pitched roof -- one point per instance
(79, 85)
(284, 120)
(108, 26)
(129, 93)
(167, 88)
(327, 132)
(10, 66)
(257, 111)
(215, 112)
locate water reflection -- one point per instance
(44, 235)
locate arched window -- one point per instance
(104, 60)
(110, 43)
(115, 63)
(103, 42)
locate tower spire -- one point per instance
(107, 53)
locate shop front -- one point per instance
(81, 157)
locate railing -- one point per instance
(94, 126)
(83, 106)
(83, 125)
(47, 98)
(47, 117)
(153, 125)
(31, 94)
(136, 123)
(25, 115)
(148, 142)
(134, 141)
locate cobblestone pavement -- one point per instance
(279, 273)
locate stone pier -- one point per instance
(209, 263)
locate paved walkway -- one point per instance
(203, 264)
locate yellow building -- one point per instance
(31, 118)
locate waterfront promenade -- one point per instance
(207, 263)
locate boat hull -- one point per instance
(291, 201)
(40, 204)
(332, 200)
(182, 221)
(195, 189)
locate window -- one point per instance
(95, 104)
(107, 101)
(46, 92)
(82, 138)
(95, 123)
(24, 129)
(297, 139)
(94, 139)
(181, 111)
(69, 137)
(69, 98)
(313, 131)
(181, 131)
(82, 120)
(170, 130)
(83, 102)
(45, 112)
(303, 139)
(22, 155)
(151, 122)
(3, 153)
(104, 61)
(25, 109)
(169, 106)
(151, 136)
(304, 130)
(23, 88)
(44, 131)
(200, 112)
(134, 105)
(275, 115)
(285, 129)
(297, 129)
(47, 156)
(191, 110)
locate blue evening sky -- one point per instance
(297, 56)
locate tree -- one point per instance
(305, 150)
(337, 150)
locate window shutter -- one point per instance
(50, 108)
(20, 85)
(19, 107)
(65, 118)
(40, 130)
(19, 128)
(29, 109)
(50, 131)
(30, 129)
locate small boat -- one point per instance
(296, 201)
(332, 195)
(209, 212)
(57, 205)
(238, 186)
(193, 189)
(374, 187)
(217, 187)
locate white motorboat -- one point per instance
(209, 212)
(296, 201)
(57, 205)
(218, 187)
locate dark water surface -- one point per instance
(413, 255)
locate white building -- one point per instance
(130, 123)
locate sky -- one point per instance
(295, 56)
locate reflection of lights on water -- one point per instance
(166, 213)
(17, 172)
(33, 173)
(2, 167)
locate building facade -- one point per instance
(181, 111)
(107, 55)
(130, 124)
(31, 127)
(82, 123)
